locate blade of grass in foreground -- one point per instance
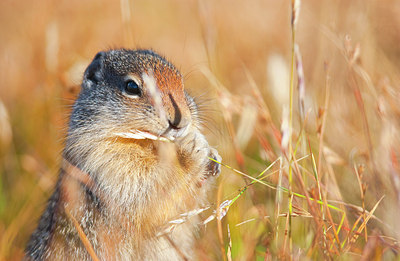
(295, 7)
(364, 224)
(227, 203)
(272, 186)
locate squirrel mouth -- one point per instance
(141, 135)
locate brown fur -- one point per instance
(122, 191)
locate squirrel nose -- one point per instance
(179, 117)
(176, 131)
(174, 125)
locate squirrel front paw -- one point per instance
(213, 167)
(193, 145)
(195, 148)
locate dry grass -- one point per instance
(332, 187)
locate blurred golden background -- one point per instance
(237, 54)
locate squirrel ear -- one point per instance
(94, 72)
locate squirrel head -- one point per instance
(125, 90)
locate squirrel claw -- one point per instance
(214, 168)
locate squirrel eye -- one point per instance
(132, 88)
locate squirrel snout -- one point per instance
(179, 117)
(175, 132)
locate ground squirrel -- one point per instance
(135, 158)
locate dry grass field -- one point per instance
(309, 132)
